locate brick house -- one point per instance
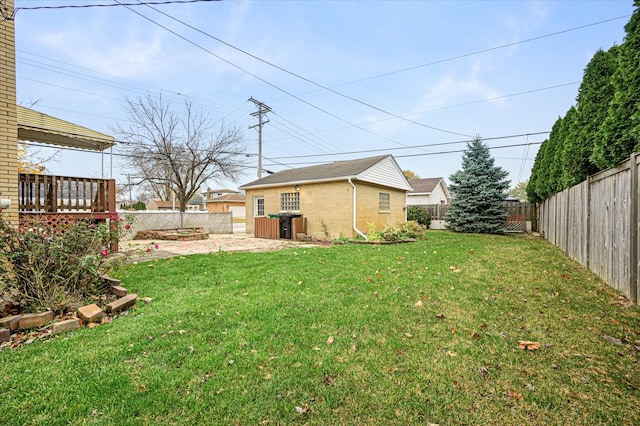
(225, 201)
(342, 197)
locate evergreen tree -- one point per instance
(479, 188)
(594, 96)
(620, 132)
(534, 188)
(551, 170)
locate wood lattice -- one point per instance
(516, 223)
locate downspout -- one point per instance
(355, 228)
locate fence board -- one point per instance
(266, 227)
(596, 223)
(527, 209)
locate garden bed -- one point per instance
(178, 234)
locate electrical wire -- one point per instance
(87, 6)
(427, 153)
(265, 81)
(370, 151)
(490, 49)
(308, 80)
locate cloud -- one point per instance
(121, 50)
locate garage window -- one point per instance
(383, 202)
(290, 201)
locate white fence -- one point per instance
(214, 223)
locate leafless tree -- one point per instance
(177, 153)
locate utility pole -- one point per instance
(262, 110)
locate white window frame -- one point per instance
(256, 205)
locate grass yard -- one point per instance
(418, 333)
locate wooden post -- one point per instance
(111, 194)
(588, 226)
(633, 227)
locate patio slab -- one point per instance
(215, 243)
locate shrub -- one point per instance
(413, 229)
(407, 230)
(372, 234)
(390, 233)
(55, 268)
(418, 214)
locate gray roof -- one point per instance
(324, 172)
(424, 186)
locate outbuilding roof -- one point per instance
(381, 170)
(228, 198)
(424, 186)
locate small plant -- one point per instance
(55, 268)
(418, 214)
(412, 229)
(407, 230)
(390, 233)
(372, 234)
(342, 239)
(325, 229)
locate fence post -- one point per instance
(588, 225)
(633, 227)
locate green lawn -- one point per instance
(336, 336)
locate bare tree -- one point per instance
(177, 153)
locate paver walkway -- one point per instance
(215, 243)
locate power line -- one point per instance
(429, 153)
(205, 104)
(263, 80)
(308, 80)
(490, 49)
(369, 151)
(86, 6)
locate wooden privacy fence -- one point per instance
(518, 213)
(596, 224)
(267, 227)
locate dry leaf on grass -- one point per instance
(419, 304)
(612, 340)
(330, 340)
(528, 345)
(515, 395)
(329, 379)
(302, 410)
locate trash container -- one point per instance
(286, 228)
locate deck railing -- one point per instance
(65, 194)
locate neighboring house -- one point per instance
(163, 205)
(428, 191)
(343, 197)
(229, 202)
(194, 207)
(211, 194)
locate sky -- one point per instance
(343, 79)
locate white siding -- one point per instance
(386, 173)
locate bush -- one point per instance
(407, 230)
(56, 268)
(418, 214)
(413, 229)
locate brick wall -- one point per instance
(8, 123)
